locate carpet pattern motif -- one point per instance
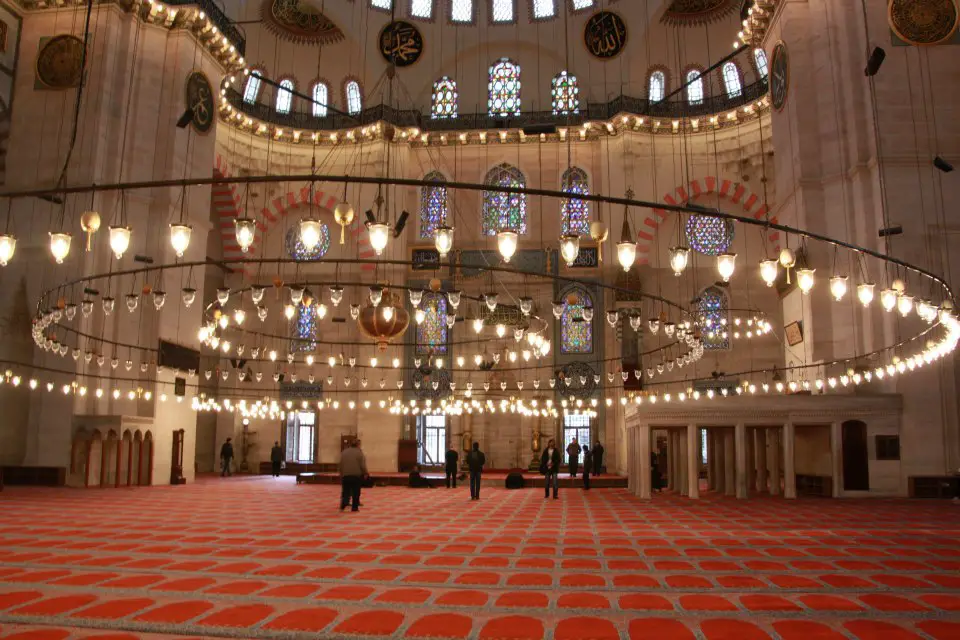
(263, 558)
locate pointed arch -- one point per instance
(656, 86)
(353, 96)
(575, 213)
(504, 88)
(432, 332)
(321, 99)
(732, 79)
(712, 311)
(694, 90)
(565, 94)
(503, 211)
(284, 99)
(576, 332)
(760, 62)
(251, 90)
(433, 205)
(444, 99)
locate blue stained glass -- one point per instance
(444, 98)
(575, 214)
(433, 205)
(432, 332)
(713, 310)
(566, 94)
(504, 88)
(709, 235)
(576, 334)
(305, 330)
(504, 211)
(296, 249)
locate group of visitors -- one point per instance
(551, 460)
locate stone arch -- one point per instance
(734, 192)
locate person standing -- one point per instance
(573, 453)
(226, 456)
(550, 461)
(452, 459)
(587, 466)
(276, 459)
(597, 459)
(475, 462)
(353, 469)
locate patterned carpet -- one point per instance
(263, 558)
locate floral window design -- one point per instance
(503, 211)
(432, 332)
(504, 88)
(285, 96)
(321, 97)
(712, 308)
(354, 98)
(574, 213)
(444, 99)
(657, 87)
(576, 333)
(433, 205)
(760, 58)
(731, 80)
(565, 93)
(252, 89)
(304, 330)
(694, 87)
(297, 250)
(709, 235)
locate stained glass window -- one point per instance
(304, 329)
(575, 214)
(461, 10)
(504, 88)
(432, 332)
(381, 4)
(760, 57)
(252, 90)
(421, 8)
(582, 4)
(576, 334)
(731, 80)
(433, 205)
(444, 98)
(658, 86)
(694, 87)
(544, 9)
(354, 99)
(709, 235)
(284, 96)
(321, 95)
(502, 10)
(713, 311)
(504, 210)
(566, 93)
(297, 250)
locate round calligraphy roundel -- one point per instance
(779, 76)
(200, 101)
(59, 63)
(401, 43)
(605, 35)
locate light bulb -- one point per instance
(376, 295)
(443, 240)
(310, 233)
(899, 286)
(119, 240)
(626, 254)
(8, 246)
(296, 295)
(507, 244)
(905, 304)
(787, 258)
(454, 298)
(569, 248)
(501, 330)
(180, 238)
(239, 315)
(679, 256)
(246, 231)
(491, 300)
(379, 234)
(805, 280)
(416, 295)
(726, 263)
(60, 246)
(888, 298)
(387, 313)
(838, 287)
(865, 293)
(419, 316)
(768, 271)
(321, 311)
(478, 325)
(288, 311)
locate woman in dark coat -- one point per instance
(550, 461)
(587, 466)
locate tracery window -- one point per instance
(731, 80)
(576, 333)
(503, 211)
(299, 252)
(504, 88)
(444, 99)
(354, 98)
(252, 89)
(461, 10)
(694, 87)
(382, 4)
(304, 330)
(421, 8)
(574, 213)
(433, 205)
(432, 332)
(566, 94)
(657, 87)
(579, 5)
(712, 308)
(760, 58)
(709, 235)
(544, 9)
(502, 10)
(285, 96)
(321, 96)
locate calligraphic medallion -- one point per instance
(297, 21)
(60, 62)
(922, 22)
(605, 35)
(200, 101)
(401, 43)
(779, 76)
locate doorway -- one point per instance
(176, 467)
(576, 426)
(856, 472)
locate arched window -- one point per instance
(461, 10)
(712, 308)
(694, 87)
(503, 211)
(504, 88)
(321, 97)
(579, 5)
(576, 333)
(566, 94)
(502, 10)
(657, 87)
(709, 235)
(252, 90)
(544, 9)
(386, 5)
(421, 8)
(304, 330)
(285, 96)
(575, 214)
(433, 205)
(444, 98)
(731, 80)
(354, 97)
(760, 58)
(432, 332)
(299, 252)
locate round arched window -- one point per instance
(709, 235)
(296, 249)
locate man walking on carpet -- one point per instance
(550, 461)
(226, 457)
(597, 458)
(451, 467)
(353, 470)
(573, 452)
(276, 459)
(475, 462)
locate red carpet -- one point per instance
(263, 558)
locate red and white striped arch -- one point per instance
(226, 204)
(733, 192)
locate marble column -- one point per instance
(671, 462)
(740, 437)
(789, 473)
(760, 446)
(773, 460)
(719, 469)
(643, 458)
(749, 450)
(836, 456)
(631, 472)
(683, 458)
(729, 464)
(711, 461)
(693, 461)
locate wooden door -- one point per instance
(856, 474)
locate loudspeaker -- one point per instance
(942, 164)
(876, 59)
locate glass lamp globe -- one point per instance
(838, 287)
(570, 248)
(588, 314)
(478, 325)
(865, 293)
(322, 311)
(60, 246)
(119, 240)
(679, 256)
(501, 330)
(159, 298)
(726, 264)
(905, 304)
(289, 311)
(557, 310)
(491, 300)
(245, 230)
(188, 295)
(419, 315)
(180, 238)
(443, 240)
(296, 295)
(507, 244)
(310, 233)
(416, 295)
(379, 234)
(343, 214)
(376, 295)
(805, 280)
(454, 298)
(787, 258)
(899, 286)
(387, 313)
(8, 246)
(336, 295)
(768, 271)
(612, 317)
(626, 254)
(888, 298)
(526, 305)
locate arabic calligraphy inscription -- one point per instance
(200, 101)
(401, 43)
(605, 35)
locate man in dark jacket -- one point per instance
(550, 461)
(226, 456)
(475, 462)
(452, 459)
(353, 470)
(587, 466)
(573, 453)
(597, 459)
(276, 459)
